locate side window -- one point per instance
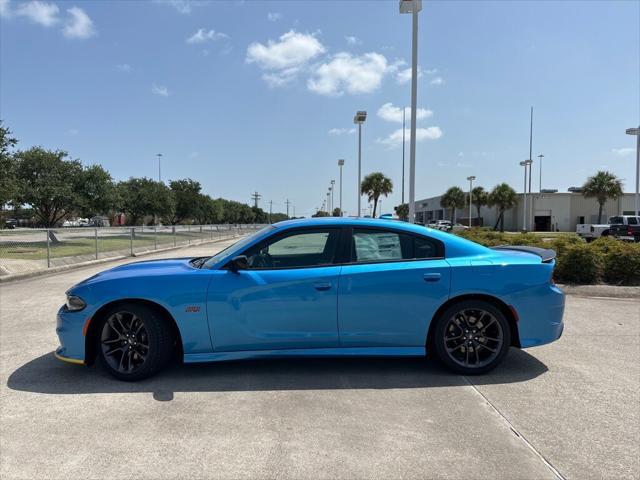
(379, 246)
(632, 220)
(307, 248)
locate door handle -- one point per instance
(431, 277)
(322, 286)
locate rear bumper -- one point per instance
(540, 316)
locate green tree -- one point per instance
(374, 185)
(453, 198)
(503, 197)
(336, 212)
(479, 198)
(96, 192)
(49, 183)
(259, 215)
(7, 166)
(141, 197)
(187, 196)
(320, 213)
(402, 211)
(602, 186)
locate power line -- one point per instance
(256, 196)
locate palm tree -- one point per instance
(479, 198)
(402, 211)
(374, 185)
(453, 198)
(603, 185)
(503, 197)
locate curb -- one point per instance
(63, 268)
(611, 291)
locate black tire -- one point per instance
(465, 337)
(134, 341)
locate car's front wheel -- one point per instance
(135, 342)
(472, 337)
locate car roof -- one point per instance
(456, 246)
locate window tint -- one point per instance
(632, 220)
(615, 220)
(299, 249)
(380, 245)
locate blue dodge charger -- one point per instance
(318, 287)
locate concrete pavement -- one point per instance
(569, 409)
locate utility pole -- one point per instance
(341, 164)
(270, 210)
(159, 155)
(256, 196)
(287, 203)
(530, 146)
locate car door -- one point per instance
(391, 288)
(287, 298)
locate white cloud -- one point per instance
(342, 131)
(281, 77)
(436, 81)
(394, 114)
(274, 16)
(79, 25)
(353, 74)
(431, 71)
(395, 138)
(202, 36)
(123, 67)
(351, 40)
(404, 75)
(623, 152)
(159, 90)
(293, 49)
(182, 6)
(4, 8)
(42, 13)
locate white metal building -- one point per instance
(557, 211)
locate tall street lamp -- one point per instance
(471, 179)
(541, 156)
(636, 132)
(159, 155)
(525, 164)
(404, 129)
(328, 201)
(333, 182)
(359, 119)
(341, 164)
(413, 7)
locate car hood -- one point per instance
(143, 269)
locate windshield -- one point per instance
(235, 247)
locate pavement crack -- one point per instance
(515, 431)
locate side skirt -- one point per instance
(307, 352)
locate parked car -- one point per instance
(317, 287)
(444, 225)
(625, 227)
(591, 231)
(10, 223)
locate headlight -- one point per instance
(74, 303)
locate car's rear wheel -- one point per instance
(472, 337)
(134, 342)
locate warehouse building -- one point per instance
(547, 211)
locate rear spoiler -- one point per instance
(547, 255)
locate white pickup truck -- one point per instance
(591, 231)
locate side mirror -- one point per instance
(241, 262)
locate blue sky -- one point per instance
(246, 96)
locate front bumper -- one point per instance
(70, 328)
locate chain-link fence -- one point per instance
(23, 250)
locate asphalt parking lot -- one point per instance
(570, 409)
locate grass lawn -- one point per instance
(87, 246)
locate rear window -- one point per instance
(633, 220)
(615, 220)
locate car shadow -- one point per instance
(48, 375)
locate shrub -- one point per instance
(578, 264)
(621, 263)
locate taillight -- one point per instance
(629, 231)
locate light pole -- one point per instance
(525, 164)
(404, 109)
(359, 119)
(333, 182)
(159, 155)
(329, 200)
(471, 179)
(341, 164)
(636, 132)
(413, 7)
(540, 184)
